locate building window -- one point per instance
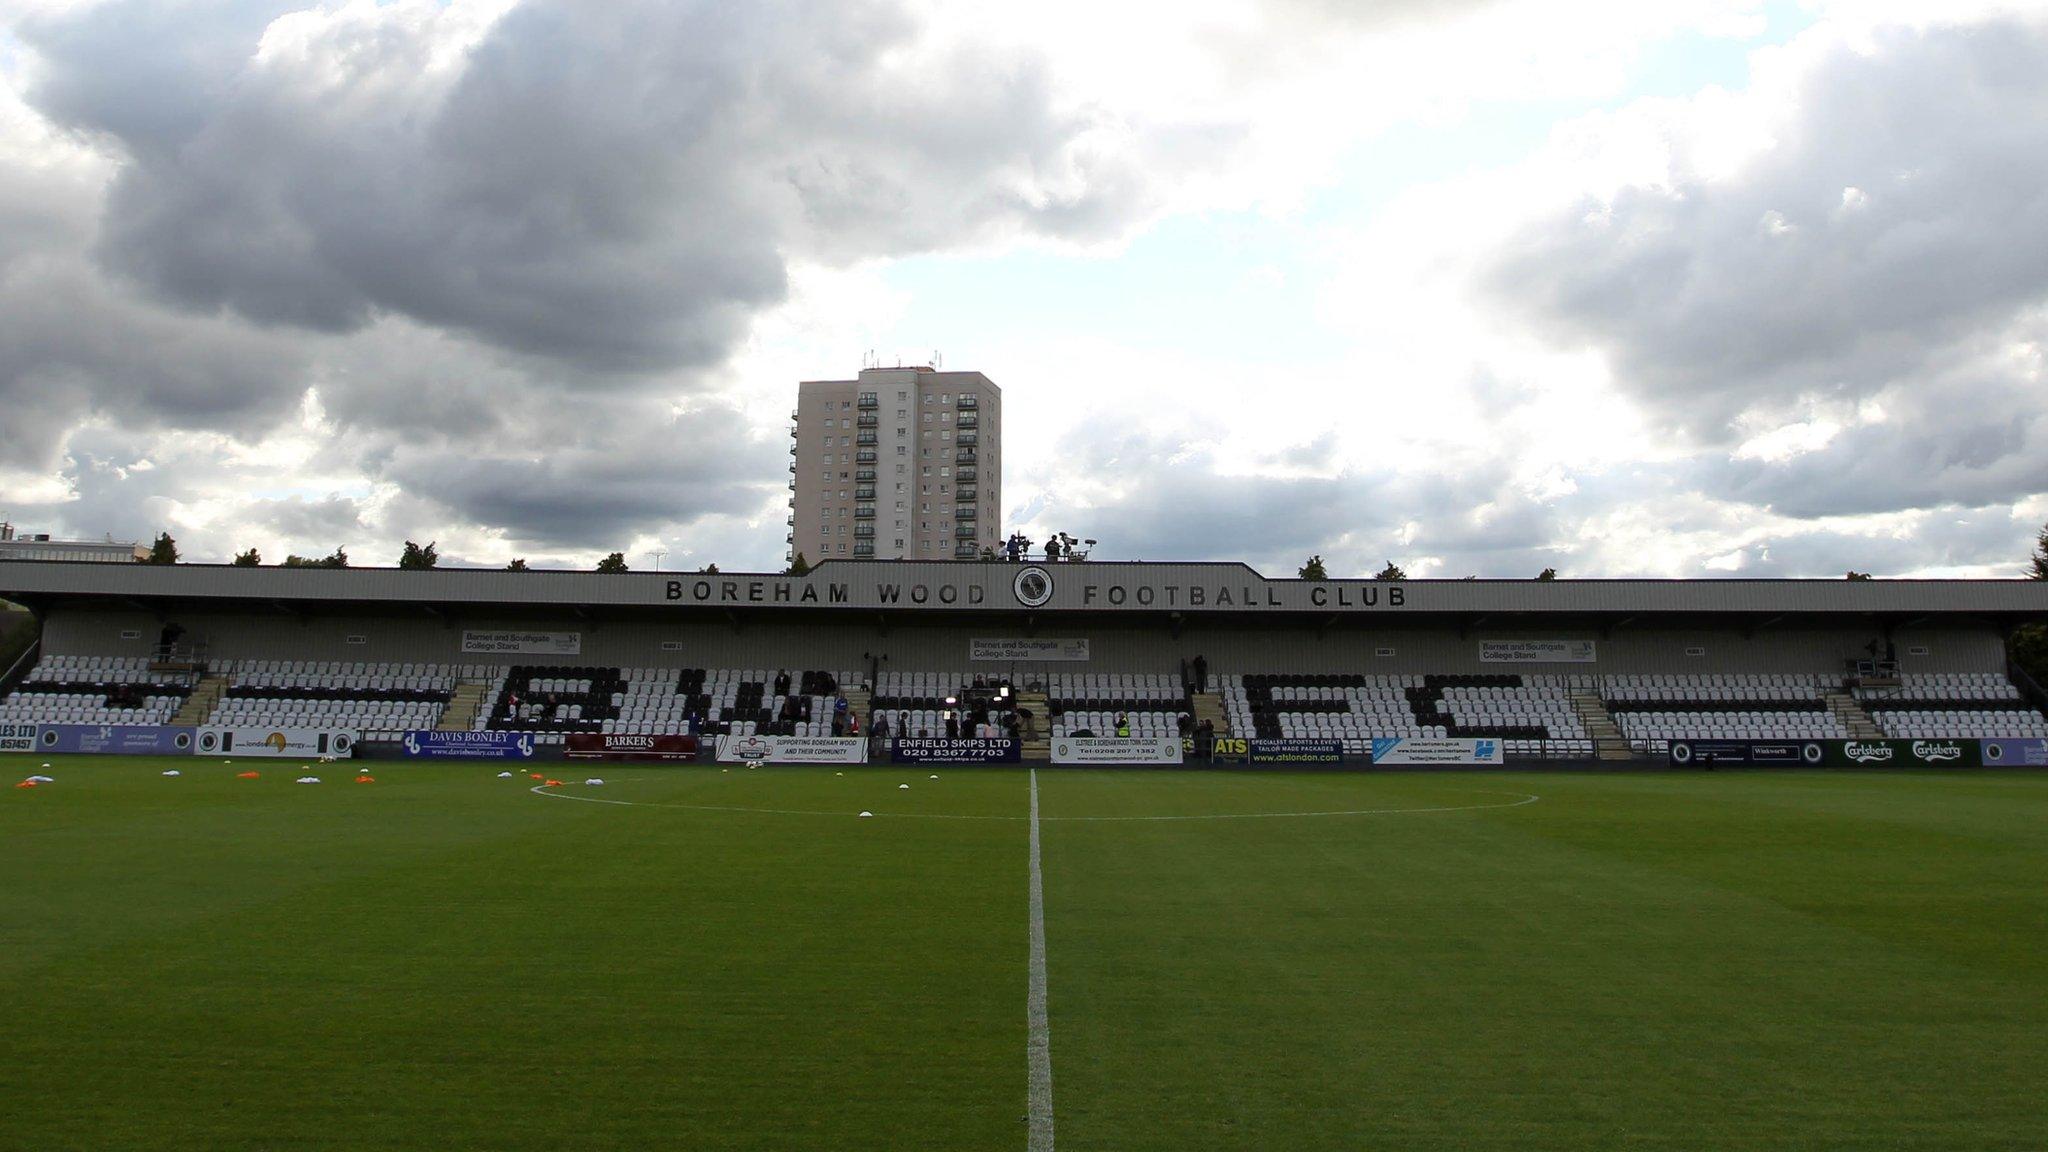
(902, 396)
(903, 449)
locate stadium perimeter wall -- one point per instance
(928, 642)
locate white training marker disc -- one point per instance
(865, 815)
(905, 787)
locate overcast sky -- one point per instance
(1685, 288)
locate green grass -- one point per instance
(444, 960)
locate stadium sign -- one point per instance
(18, 737)
(1294, 751)
(1093, 587)
(965, 750)
(280, 742)
(628, 746)
(1536, 652)
(793, 749)
(1007, 650)
(1433, 751)
(1116, 750)
(2011, 753)
(1222, 749)
(115, 739)
(522, 643)
(468, 745)
(1837, 753)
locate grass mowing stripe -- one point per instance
(1039, 1047)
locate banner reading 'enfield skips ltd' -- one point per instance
(965, 750)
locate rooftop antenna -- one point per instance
(938, 361)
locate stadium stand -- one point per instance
(1152, 704)
(1954, 705)
(382, 701)
(1653, 710)
(1532, 714)
(917, 703)
(554, 701)
(94, 690)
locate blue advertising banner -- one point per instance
(469, 745)
(2011, 753)
(1295, 751)
(966, 750)
(115, 740)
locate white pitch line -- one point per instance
(1526, 798)
(1038, 1048)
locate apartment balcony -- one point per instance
(865, 456)
(968, 420)
(864, 512)
(966, 494)
(965, 552)
(967, 402)
(864, 438)
(964, 456)
(863, 550)
(865, 476)
(967, 438)
(792, 468)
(962, 475)
(789, 537)
(790, 519)
(792, 431)
(792, 449)
(864, 530)
(867, 420)
(868, 400)
(965, 512)
(965, 532)
(867, 493)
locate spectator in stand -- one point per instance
(782, 683)
(879, 730)
(952, 725)
(1201, 673)
(1123, 724)
(839, 709)
(1205, 739)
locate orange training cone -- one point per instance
(247, 775)
(554, 784)
(27, 784)
(366, 778)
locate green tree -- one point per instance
(1313, 570)
(2037, 567)
(415, 557)
(338, 559)
(1391, 572)
(2028, 647)
(1853, 574)
(708, 570)
(1547, 574)
(798, 566)
(616, 562)
(164, 551)
(518, 564)
(249, 559)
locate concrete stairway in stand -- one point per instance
(859, 702)
(1850, 712)
(463, 705)
(1038, 730)
(1608, 742)
(199, 706)
(1209, 706)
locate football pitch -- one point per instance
(702, 958)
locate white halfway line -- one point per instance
(1038, 1048)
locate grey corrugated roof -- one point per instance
(1088, 586)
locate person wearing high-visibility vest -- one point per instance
(1123, 725)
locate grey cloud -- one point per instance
(614, 186)
(1715, 295)
(600, 483)
(315, 526)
